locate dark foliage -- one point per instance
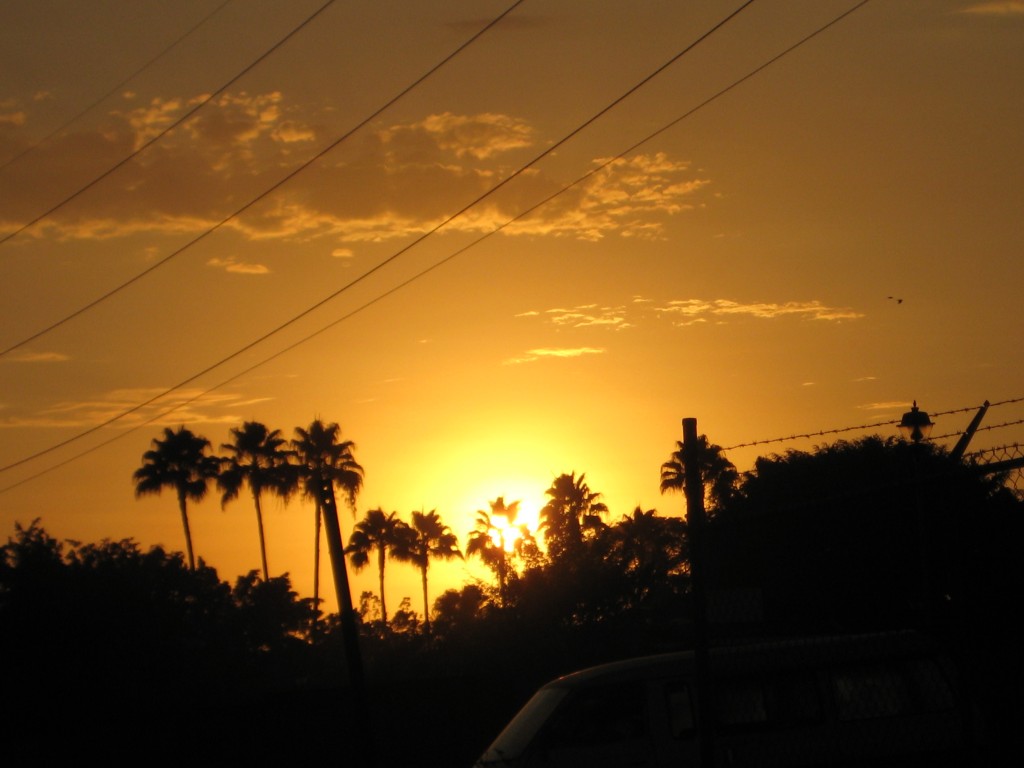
(131, 652)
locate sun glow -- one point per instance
(508, 532)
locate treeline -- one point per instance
(871, 534)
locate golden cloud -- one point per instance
(397, 182)
(556, 352)
(238, 267)
(691, 311)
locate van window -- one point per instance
(680, 710)
(739, 702)
(781, 700)
(519, 733)
(870, 691)
(794, 699)
(600, 715)
(933, 687)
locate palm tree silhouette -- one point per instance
(487, 540)
(647, 546)
(718, 473)
(572, 510)
(323, 457)
(430, 538)
(383, 533)
(256, 457)
(179, 461)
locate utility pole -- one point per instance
(696, 518)
(349, 630)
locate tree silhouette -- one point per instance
(256, 457)
(718, 473)
(863, 534)
(179, 461)
(383, 533)
(430, 539)
(650, 551)
(322, 456)
(271, 616)
(487, 541)
(572, 512)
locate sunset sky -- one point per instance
(532, 257)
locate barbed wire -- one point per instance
(892, 422)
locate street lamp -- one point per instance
(916, 425)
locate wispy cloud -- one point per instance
(887, 405)
(589, 315)
(238, 267)
(721, 308)
(814, 310)
(398, 181)
(192, 406)
(1004, 8)
(556, 352)
(684, 312)
(478, 136)
(35, 357)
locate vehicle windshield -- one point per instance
(519, 733)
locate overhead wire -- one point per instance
(187, 114)
(397, 287)
(238, 352)
(269, 190)
(100, 99)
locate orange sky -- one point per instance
(736, 267)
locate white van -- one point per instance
(867, 700)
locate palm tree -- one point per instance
(430, 538)
(717, 472)
(487, 540)
(256, 457)
(572, 511)
(383, 533)
(321, 454)
(648, 547)
(179, 461)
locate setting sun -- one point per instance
(510, 528)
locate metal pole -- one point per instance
(695, 520)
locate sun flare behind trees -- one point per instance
(487, 540)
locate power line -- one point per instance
(267, 192)
(294, 319)
(408, 280)
(99, 100)
(181, 119)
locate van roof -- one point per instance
(762, 656)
